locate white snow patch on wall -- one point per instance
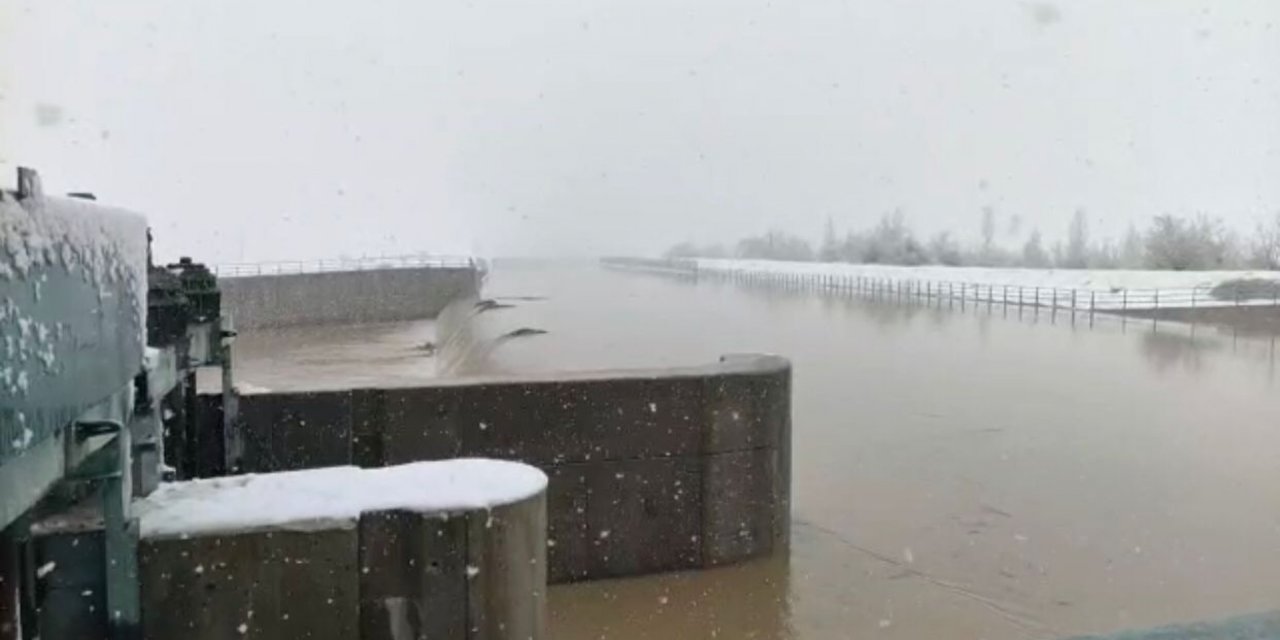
(332, 497)
(248, 389)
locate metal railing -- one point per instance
(343, 264)
(1086, 300)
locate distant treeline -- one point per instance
(1169, 243)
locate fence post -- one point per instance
(1124, 300)
(1092, 303)
(1073, 300)
(1037, 297)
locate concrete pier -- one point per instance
(474, 568)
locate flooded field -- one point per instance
(957, 474)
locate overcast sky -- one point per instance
(251, 130)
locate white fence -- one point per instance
(1076, 299)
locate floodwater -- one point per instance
(327, 357)
(957, 473)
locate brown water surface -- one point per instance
(957, 473)
(975, 472)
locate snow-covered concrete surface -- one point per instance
(332, 497)
(1097, 288)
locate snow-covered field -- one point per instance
(1101, 289)
(1091, 279)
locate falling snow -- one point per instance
(45, 569)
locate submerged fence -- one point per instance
(1244, 293)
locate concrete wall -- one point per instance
(476, 575)
(650, 470)
(344, 297)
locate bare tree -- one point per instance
(1183, 245)
(988, 230)
(775, 245)
(1076, 254)
(1131, 251)
(1264, 251)
(943, 249)
(830, 249)
(1033, 253)
(893, 242)
(1015, 224)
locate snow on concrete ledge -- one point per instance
(332, 497)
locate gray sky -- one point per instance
(253, 130)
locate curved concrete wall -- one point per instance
(651, 470)
(345, 297)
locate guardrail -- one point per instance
(344, 264)
(1247, 294)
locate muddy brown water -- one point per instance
(957, 473)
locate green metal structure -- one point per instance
(83, 398)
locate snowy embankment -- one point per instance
(1069, 288)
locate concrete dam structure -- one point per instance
(650, 470)
(373, 291)
(365, 505)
